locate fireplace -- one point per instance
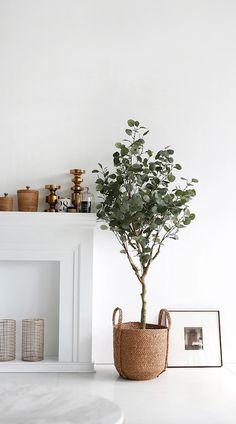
(60, 247)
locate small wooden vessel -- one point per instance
(6, 203)
(27, 200)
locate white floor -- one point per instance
(178, 396)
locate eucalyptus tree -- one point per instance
(141, 203)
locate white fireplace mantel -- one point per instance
(67, 239)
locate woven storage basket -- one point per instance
(7, 340)
(32, 340)
(140, 354)
(28, 200)
(6, 203)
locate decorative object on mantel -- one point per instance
(52, 198)
(143, 208)
(71, 209)
(7, 340)
(87, 201)
(27, 200)
(32, 340)
(63, 204)
(77, 180)
(6, 203)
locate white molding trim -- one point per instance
(47, 365)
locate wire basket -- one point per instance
(7, 340)
(32, 340)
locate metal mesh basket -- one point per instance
(7, 340)
(32, 340)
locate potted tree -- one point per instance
(142, 205)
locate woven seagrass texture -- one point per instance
(140, 354)
(32, 340)
(7, 340)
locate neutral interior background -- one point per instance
(72, 72)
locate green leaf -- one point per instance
(103, 227)
(171, 178)
(94, 171)
(129, 132)
(136, 123)
(150, 153)
(116, 161)
(152, 166)
(100, 165)
(145, 133)
(144, 258)
(131, 122)
(122, 251)
(170, 151)
(194, 180)
(174, 237)
(120, 179)
(124, 151)
(178, 166)
(192, 216)
(119, 145)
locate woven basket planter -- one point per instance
(7, 340)
(32, 340)
(140, 354)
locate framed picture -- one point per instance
(195, 339)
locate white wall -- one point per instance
(72, 72)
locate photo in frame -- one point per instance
(194, 339)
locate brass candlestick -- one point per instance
(52, 198)
(77, 180)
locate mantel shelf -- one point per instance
(45, 218)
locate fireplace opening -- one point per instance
(30, 289)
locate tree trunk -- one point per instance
(144, 305)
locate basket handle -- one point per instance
(164, 318)
(120, 316)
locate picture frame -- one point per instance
(195, 339)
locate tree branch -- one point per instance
(134, 267)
